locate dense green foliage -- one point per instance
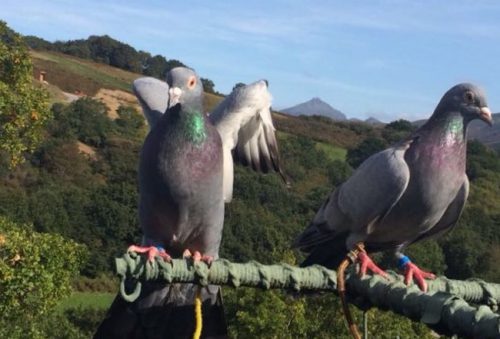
(23, 106)
(35, 273)
(91, 199)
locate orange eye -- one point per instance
(191, 82)
(469, 97)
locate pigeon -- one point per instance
(185, 179)
(181, 210)
(243, 120)
(411, 191)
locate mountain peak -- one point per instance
(315, 106)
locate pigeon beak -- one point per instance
(174, 95)
(485, 115)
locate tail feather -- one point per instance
(165, 312)
(327, 253)
(312, 237)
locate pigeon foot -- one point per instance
(197, 256)
(367, 264)
(152, 252)
(412, 271)
(351, 257)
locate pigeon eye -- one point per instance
(191, 82)
(469, 97)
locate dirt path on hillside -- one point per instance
(113, 99)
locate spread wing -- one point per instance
(153, 97)
(245, 125)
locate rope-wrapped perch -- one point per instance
(443, 307)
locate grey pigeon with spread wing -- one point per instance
(243, 120)
(406, 193)
(181, 208)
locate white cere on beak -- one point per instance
(486, 115)
(174, 95)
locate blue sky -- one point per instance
(384, 58)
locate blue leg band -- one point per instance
(403, 261)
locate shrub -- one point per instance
(35, 274)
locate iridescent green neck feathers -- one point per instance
(453, 130)
(194, 126)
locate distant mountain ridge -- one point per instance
(315, 106)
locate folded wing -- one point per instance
(450, 217)
(365, 198)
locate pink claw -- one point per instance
(187, 254)
(367, 264)
(208, 259)
(152, 252)
(413, 271)
(198, 257)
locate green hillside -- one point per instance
(89, 195)
(71, 74)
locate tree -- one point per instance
(87, 118)
(369, 146)
(24, 107)
(397, 130)
(130, 122)
(465, 253)
(238, 85)
(338, 172)
(155, 66)
(172, 63)
(101, 48)
(79, 48)
(35, 274)
(37, 43)
(400, 125)
(126, 57)
(208, 85)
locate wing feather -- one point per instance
(245, 125)
(367, 196)
(266, 160)
(153, 97)
(451, 215)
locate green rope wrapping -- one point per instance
(444, 307)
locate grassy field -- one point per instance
(332, 152)
(73, 74)
(211, 101)
(97, 300)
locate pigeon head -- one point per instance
(468, 100)
(185, 87)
